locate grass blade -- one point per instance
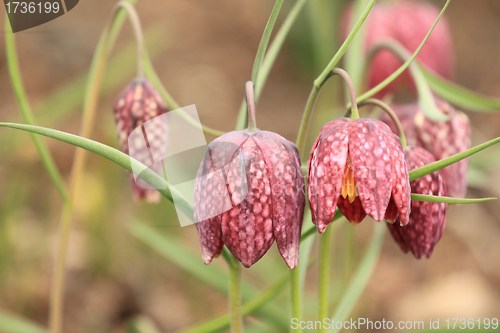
(361, 276)
(10, 323)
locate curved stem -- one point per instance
(235, 296)
(144, 67)
(343, 48)
(352, 92)
(252, 123)
(390, 112)
(306, 119)
(24, 106)
(270, 58)
(403, 67)
(136, 26)
(261, 51)
(324, 276)
(296, 292)
(90, 105)
(425, 97)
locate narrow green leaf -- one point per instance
(403, 67)
(343, 48)
(433, 198)
(361, 276)
(458, 95)
(261, 51)
(305, 248)
(113, 155)
(24, 105)
(211, 275)
(222, 322)
(275, 47)
(264, 41)
(430, 168)
(10, 323)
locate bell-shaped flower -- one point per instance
(359, 167)
(427, 219)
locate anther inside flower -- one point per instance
(348, 183)
(358, 165)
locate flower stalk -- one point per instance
(324, 276)
(235, 297)
(387, 109)
(252, 123)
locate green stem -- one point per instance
(261, 51)
(24, 106)
(235, 297)
(426, 99)
(343, 48)
(435, 198)
(296, 292)
(361, 276)
(320, 81)
(352, 92)
(275, 47)
(391, 113)
(264, 41)
(136, 27)
(223, 322)
(324, 276)
(306, 119)
(90, 105)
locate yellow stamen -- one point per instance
(348, 183)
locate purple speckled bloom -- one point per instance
(249, 192)
(136, 104)
(441, 139)
(427, 219)
(359, 166)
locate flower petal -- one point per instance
(326, 170)
(287, 191)
(247, 229)
(211, 192)
(371, 150)
(427, 219)
(354, 211)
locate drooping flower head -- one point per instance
(407, 22)
(138, 103)
(427, 219)
(359, 167)
(249, 191)
(441, 139)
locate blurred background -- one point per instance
(120, 268)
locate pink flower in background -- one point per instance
(136, 104)
(441, 139)
(427, 219)
(406, 22)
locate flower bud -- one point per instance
(249, 191)
(136, 104)
(427, 219)
(441, 139)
